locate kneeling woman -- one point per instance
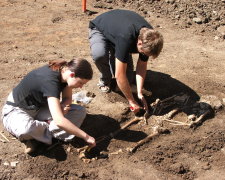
(35, 110)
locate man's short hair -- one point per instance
(152, 41)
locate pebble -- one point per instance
(177, 16)
(197, 20)
(216, 38)
(6, 164)
(14, 163)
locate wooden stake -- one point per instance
(84, 3)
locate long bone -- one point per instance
(157, 131)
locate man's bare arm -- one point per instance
(140, 78)
(123, 84)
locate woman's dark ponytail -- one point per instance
(56, 65)
(81, 67)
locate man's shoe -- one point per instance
(104, 88)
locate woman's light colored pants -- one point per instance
(31, 124)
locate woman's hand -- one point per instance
(90, 140)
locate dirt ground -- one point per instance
(32, 32)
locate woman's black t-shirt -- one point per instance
(32, 92)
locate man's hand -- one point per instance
(90, 140)
(134, 107)
(143, 101)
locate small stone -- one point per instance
(215, 12)
(6, 164)
(216, 38)
(177, 16)
(14, 163)
(197, 20)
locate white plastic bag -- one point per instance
(81, 97)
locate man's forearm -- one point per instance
(125, 88)
(140, 83)
(140, 75)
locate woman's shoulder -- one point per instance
(46, 71)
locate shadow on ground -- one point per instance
(163, 86)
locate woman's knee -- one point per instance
(83, 113)
(26, 129)
(77, 114)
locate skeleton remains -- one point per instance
(161, 118)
